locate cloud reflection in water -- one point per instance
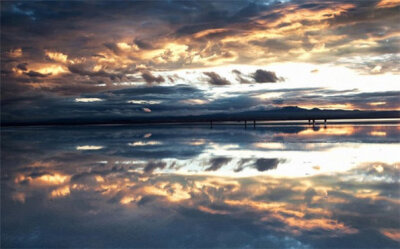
(200, 188)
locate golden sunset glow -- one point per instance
(288, 54)
(388, 3)
(200, 124)
(378, 133)
(60, 192)
(50, 69)
(342, 131)
(59, 57)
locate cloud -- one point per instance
(217, 162)
(261, 164)
(241, 164)
(36, 74)
(306, 212)
(23, 66)
(152, 165)
(237, 32)
(165, 102)
(263, 76)
(388, 3)
(264, 164)
(259, 76)
(114, 48)
(87, 99)
(216, 79)
(239, 77)
(97, 47)
(80, 69)
(336, 99)
(235, 71)
(150, 78)
(142, 44)
(89, 147)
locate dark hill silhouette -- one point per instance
(288, 113)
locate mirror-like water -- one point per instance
(193, 187)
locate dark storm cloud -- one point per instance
(217, 162)
(235, 71)
(100, 46)
(166, 102)
(264, 164)
(114, 104)
(239, 77)
(22, 66)
(186, 91)
(150, 78)
(259, 76)
(388, 99)
(261, 164)
(80, 69)
(113, 47)
(241, 164)
(160, 20)
(151, 166)
(174, 77)
(36, 74)
(367, 11)
(142, 44)
(237, 103)
(263, 76)
(216, 79)
(276, 45)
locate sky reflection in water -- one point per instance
(269, 187)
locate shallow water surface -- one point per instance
(195, 187)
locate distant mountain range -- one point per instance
(279, 114)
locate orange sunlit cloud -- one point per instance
(46, 179)
(59, 57)
(393, 234)
(388, 3)
(287, 40)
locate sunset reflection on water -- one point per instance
(269, 187)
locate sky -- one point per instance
(116, 59)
